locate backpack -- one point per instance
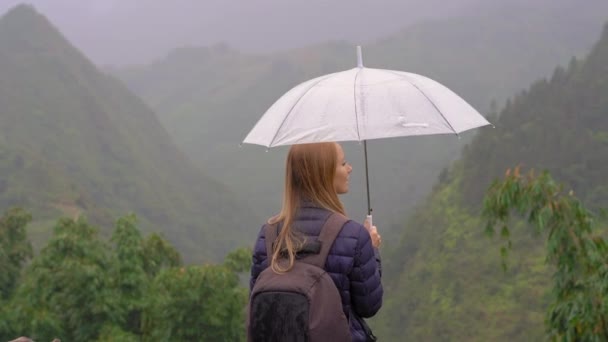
(302, 305)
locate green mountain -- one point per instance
(443, 279)
(74, 140)
(208, 98)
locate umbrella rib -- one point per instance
(425, 96)
(294, 105)
(355, 97)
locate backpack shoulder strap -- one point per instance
(270, 235)
(332, 227)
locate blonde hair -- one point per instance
(309, 176)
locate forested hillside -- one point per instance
(444, 279)
(75, 141)
(209, 97)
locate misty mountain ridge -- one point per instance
(76, 141)
(444, 279)
(268, 26)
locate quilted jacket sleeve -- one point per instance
(259, 259)
(365, 278)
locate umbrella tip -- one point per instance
(359, 57)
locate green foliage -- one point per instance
(6, 330)
(239, 260)
(195, 303)
(530, 132)
(15, 249)
(80, 288)
(128, 272)
(159, 254)
(579, 309)
(441, 281)
(67, 289)
(441, 277)
(112, 333)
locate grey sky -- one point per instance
(128, 31)
(136, 31)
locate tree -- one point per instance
(15, 248)
(579, 256)
(239, 260)
(159, 254)
(128, 276)
(195, 303)
(66, 291)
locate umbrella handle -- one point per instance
(369, 219)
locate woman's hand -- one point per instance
(373, 233)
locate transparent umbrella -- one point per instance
(361, 104)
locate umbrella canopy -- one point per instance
(363, 104)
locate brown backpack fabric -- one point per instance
(302, 304)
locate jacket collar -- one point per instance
(306, 203)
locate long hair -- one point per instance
(309, 176)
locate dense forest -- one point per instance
(444, 278)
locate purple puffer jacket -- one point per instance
(353, 264)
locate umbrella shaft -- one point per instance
(369, 206)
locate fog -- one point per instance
(136, 31)
(113, 32)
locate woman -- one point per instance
(315, 175)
